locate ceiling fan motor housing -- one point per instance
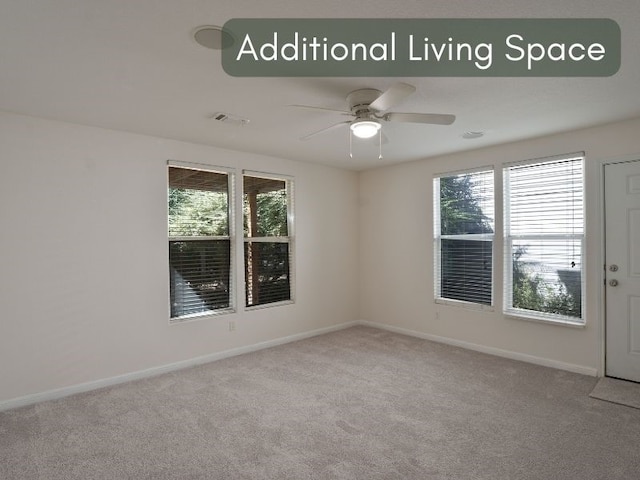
(359, 101)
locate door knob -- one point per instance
(613, 283)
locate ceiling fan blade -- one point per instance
(430, 118)
(324, 130)
(311, 107)
(392, 96)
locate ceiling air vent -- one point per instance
(472, 135)
(229, 119)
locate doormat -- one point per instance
(617, 391)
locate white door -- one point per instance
(622, 237)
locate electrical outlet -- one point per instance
(232, 326)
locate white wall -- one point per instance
(83, 257)
(396, 251)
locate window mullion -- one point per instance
(267, 239)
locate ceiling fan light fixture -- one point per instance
(365, 128)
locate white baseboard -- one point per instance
(154, 371)
(523, 357)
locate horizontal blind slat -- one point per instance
(200, 276)
(267, 273)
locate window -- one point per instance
(463, 232)
(200, 242)
(267, 208)
(544, 235)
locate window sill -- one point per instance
(200, 316)
(269, 305)
(463, 304)
(560, 322)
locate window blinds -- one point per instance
(267, 239)
(464, 227)
(544, 234)
(199, 242)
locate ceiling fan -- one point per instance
(369, 106)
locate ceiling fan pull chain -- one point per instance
(379, 143)
(350, 143)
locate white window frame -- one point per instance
(231, 237)
(289, 239)
(438, 237)
(508, 308)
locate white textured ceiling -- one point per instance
(132, 65)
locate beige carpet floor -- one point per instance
(361, 403)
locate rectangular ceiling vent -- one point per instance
(229, 119)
